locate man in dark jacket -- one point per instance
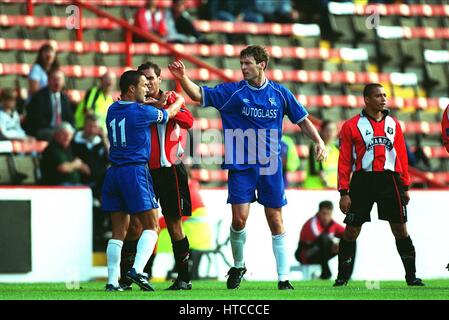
(48, 108)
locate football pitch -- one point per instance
(249, 290)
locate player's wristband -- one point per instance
(344, 192)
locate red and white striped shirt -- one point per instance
(445, 128)
(370, 145)
(167, 139)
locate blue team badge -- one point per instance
(272, 101)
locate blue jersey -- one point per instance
(252, 120)
(129, 131)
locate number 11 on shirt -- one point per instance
(121, 125)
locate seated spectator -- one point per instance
(180, 25)
(231, 10)
(96, 101)
(48, 108)
(58, 165)
(324, 174)
(318, 242)
(313, 11)
(10, 128)
(151, 19)
(89, 146)
(45, 62)
(280, 11)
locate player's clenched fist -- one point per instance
(320, 152)
(345, 203)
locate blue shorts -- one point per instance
(242, 186)
(128, 189)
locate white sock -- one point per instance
(113, 253)
(145, 248)
(280, 253)
(238, 239)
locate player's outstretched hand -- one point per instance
(177, 68)
(320, 152)
(345, 203)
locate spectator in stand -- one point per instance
(324, 174)
(151, 19)
(231, 10)
(180, 25)
(45, 62)
(280, 11)
(10, 128)
(89, 145)
(317, 11)
(48, 108)
(97, 101)
(319, 238)
(58, 165)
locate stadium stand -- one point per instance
(407, 53)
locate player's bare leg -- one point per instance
(120, 223)
(181, 251)
(129, 251)
(278, 234)
(407, 253)
(346, 254)
(240, 213)
(145, 246)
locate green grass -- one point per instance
(214, 290)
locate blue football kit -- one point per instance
(252, 124)
(128, 186)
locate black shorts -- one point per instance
(385, 188)
(171, 187)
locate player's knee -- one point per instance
(238, 224)
(156, 228)
(134, 231)
(175, 229)
(351, 234)
(400, 233)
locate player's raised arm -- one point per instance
(309, 129)
(174, 108)
(178, 70)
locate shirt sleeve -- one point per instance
(345, 158)
(35, 73)
(155, 115)
(295, 111)
(445, 128)
(401, 152)
(306, 234)
(219, 96)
